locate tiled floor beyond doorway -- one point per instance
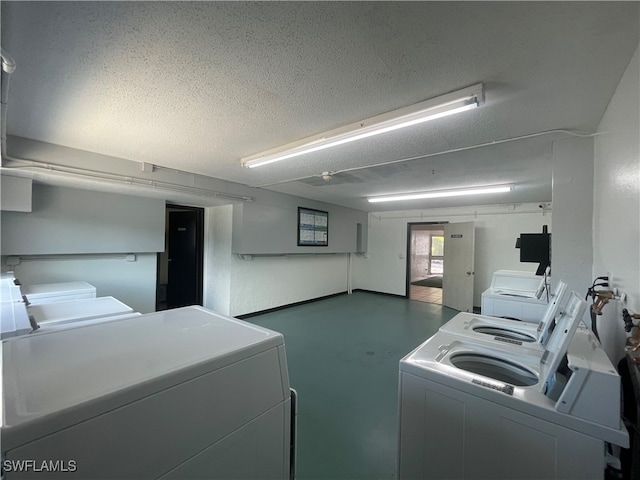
(426, 294)
(343, 355)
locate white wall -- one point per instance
(236, 286)
(217, 258)
(572, 194)
(269, 225)
(72, 221)
(265, 282)
(616, 228)
(383, 268)
(74, 234)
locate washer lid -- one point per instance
(33, 292)
(74, 309)
(54, 379)
(517, 283)
(559, 340)
(48, 327)
(547, 322)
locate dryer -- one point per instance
(184, 393)
(468, 409)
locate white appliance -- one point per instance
(469, 409)
(47, 327)
(512, 332)
(58, 292)
(183, 393)
(8, 278)
(14, 319)
(515, 294)
(73, 310)
(10, 288)
(10, 293)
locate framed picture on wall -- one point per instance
(313, 227)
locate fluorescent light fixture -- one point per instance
(442, 193)
(449, 104)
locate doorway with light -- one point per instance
(425, 262)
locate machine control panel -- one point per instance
(504, 388)
(508, 340)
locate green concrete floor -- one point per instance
(343, 355)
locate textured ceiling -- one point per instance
(198, 85)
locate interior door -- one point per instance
(182, 287)
(457, 282)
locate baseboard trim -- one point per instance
(317, 299)
(289, 305)
(380, 293)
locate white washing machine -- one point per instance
(515, 294)
(74, 310)
(184, 393)
(469, 409)
(532, 335)
(18, 319)
(58, 292)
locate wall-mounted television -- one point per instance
(536, 248)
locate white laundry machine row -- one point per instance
(27, 308)
(474, 408)
(58, 292)
(515, 294)
(531, 335)
(20, 317)
(184, 393)
(75, 310)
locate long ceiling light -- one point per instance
(442, 193)
(449, 104)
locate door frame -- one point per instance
(408, 254)
(199, 250)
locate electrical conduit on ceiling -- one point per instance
(106, 177)
(327, 175)
(8, 67)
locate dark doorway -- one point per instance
(180, 266)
